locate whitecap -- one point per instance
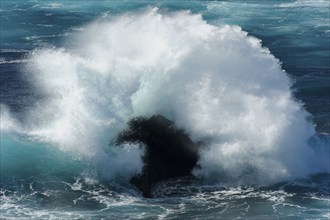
(217, 83)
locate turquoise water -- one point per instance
(248, 78)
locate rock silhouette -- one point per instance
(168, 153)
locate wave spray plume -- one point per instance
(217, 83)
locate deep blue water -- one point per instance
(73, 72)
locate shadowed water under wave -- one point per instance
(168, 151)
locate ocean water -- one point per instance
(250, 79)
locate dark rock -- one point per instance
(169, 152)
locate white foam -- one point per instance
(217, 83)
(5, 61)
(8, 122)
(307, 3)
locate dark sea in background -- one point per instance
(249, 78)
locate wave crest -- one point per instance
(217, 83)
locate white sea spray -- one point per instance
(217, 83)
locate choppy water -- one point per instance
(248, 78)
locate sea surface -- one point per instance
(249, 79)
